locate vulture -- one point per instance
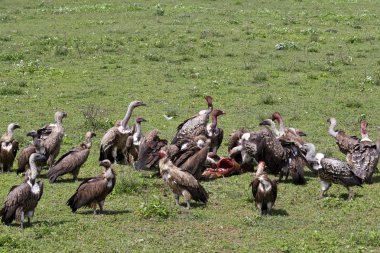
(52, 142)
(180, 182)
(345, 142)
(23, 199)
(193, 126)
(148, 150)
(8, 148)
(364, 156)
(331, 170)
(288, 133)
(93, 191)
(236, 152)
(133, 141)
(113, 143)
(72, 160)
(36, 147)
(264, 190)
(214, 133)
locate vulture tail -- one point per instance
(72, 203)
(7, 215)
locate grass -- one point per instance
(308, 60)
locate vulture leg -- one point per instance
(176, 197)
(114, 153)
(350, 193)
(101, 205)
(284, 171)
(22, 220)
(75, 175)
(325, 186)
(187, 197)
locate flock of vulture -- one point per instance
(275, 149)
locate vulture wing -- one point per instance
(338, 172)
(16, 197)
(195, 164)
(364, 160)
(148, 150)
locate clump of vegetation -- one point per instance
(129, 184)
(10, 91)
(95, 118)
(16, 56)
(260, 77)
(353, 104)
(366, 238)
(268, 99)
(154, 208)
(159, 11)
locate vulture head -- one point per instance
(89, 135)
(216, 113)
(209, 101)
(363, 131)
(276, 116)
(105, 163)
(32, 134)
(332, 122)
(260, 168)
(137, 103)
(33, 159)
(140, 119)
(12, 127)
(58, 116)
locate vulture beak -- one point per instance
(16, 126)
(93, 134)
(142, 104)
(265, 122)
(143, 120)
(31, 133)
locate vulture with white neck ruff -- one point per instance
(93, 191)
(8, 148)
(72, 160)
(193, 126)
(264, 190)
(113, 143)
(180, 182)
(23, 199)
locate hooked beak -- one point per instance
(265, 122)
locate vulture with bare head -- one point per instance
(134, 141)
(93, 191)
(264, 190)
(23, 199)
(180, 182)
(8, 148)
(52, 142)
(288, 134)
(331, 170)
(213, 132)
(72, 161)
(345, 142)
(113, 143)
(193, 126)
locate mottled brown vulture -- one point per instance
(72, 161)
(345, 142)
(264, 190)
(134, 141)
(23, 199)
(93, 191)
(113, 143)
(8, 148)
(148, 150)
(52, 142)
(36, 146)
(213, 132)
(180, 182)
(193, 126)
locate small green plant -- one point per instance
(260, 77)
(159, 11)
(9, 91)
(94, 117)
(353, 104)
(267, 99)
(154, 208)
(16, 56)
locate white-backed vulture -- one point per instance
(52, 142)
(35, 147)
(8, 148)
(364, 156)
(264, 190)
(331, 170)
(345, 142)
(113, 143)
(23, 199)
(193, 126)
(134, 140)
(180, 182)
(288, 134)
(93, 191)
(214, 133)
(148, 150)
(72, 161)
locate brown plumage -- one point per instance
(264, 190)
(113, 143)
(52, 142)
(133, 141)
(93, 191)
(180, 182)
(364, 156)
(214, 133)
(193, 126)
(8, 148)
(345, 142)
(36, 147)
(23, 199)
(148, 150)
(72, 161)
(288, 134)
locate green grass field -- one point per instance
(94, 57)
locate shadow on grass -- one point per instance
(279, 212)
(376, 179)
(68, 180)
(40, 223)
(105, 212)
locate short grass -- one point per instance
(308, 60)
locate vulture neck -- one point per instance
(10, 131)
(331, 131)
(281, 122)
(214, 122)
(310, 155)
(137, 134)
(274, 129)
(365, 136)
(127, 116)
(33, 169)
(260, 169)
(88, 142)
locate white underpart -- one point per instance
(124, 131)
(30, 214)
(366, 139)
(200, 143)
(319, 157)
(36, 189)
(203, 112)
(6, 147)
(109, 184)
(184, 146)
(325, 185)
(246, 136)
(264, 185)
(209, 130)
